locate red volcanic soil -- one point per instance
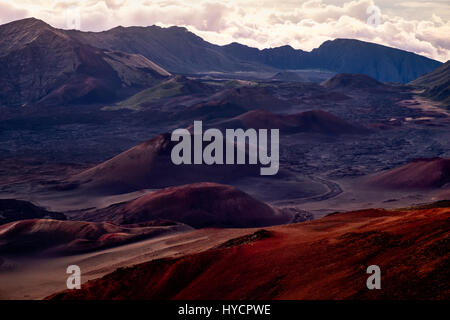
(316, 121)
(418, 174)
(149, 165)
(198, 205)
(322, 259)
(70, 237)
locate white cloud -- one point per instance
(9, 12)
(263, 23)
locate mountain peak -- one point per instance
(28, 23)
(285, 47)
(20, 33)
(177, 28)
(346, 42)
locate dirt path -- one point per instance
(424, 105)
(334, 190)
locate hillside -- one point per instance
(417, 174)
(436, 84)
(149, 165)
(198, 205)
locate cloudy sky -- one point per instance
(420, 26)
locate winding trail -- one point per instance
(334, 190)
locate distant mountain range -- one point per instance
(180, 51)
(40, 63)
(342, 56)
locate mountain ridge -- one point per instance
(163, 46)
(43, 64)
